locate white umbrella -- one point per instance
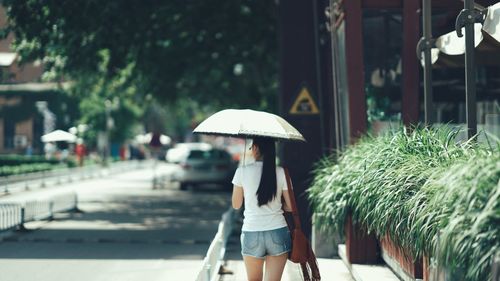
(248, 123)
(450, 48)
(58, 135)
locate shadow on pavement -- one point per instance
(136, 224)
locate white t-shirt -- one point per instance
(265, 217)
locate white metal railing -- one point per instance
(10, 216)
(215, 255)
(36, 210)
(15, 215)
(64, 202)
(9, 184)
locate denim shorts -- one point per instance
(259, 244)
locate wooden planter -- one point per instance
(393, 253)
(361, 247)
(426, 267)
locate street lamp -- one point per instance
(110, 124)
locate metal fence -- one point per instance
(10, 216)
(15, 215)
(27, 181)
(215, 254)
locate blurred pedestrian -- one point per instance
(124, 153)
(265, 236)
(80, 151)
(29, 149)
(49, 149)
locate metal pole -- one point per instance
(336, 107)
(319, 83)
(208, 271)
(21, 226)
(428, 97)
(470, 72)
(108, 127)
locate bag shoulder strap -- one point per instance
(295, 210)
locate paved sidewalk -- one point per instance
(330, 269)
(127, 231)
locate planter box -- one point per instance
(400, 262)
(426, 268)
(361, 247)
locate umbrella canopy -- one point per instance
(450, 49)
(58, 135)
(248, 123)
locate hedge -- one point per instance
(25, 168)
(13, 160)
(412, 186)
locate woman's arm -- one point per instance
(237, 199)
(287, 206)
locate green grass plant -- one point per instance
(462, 212)
(412, 185)
(25, 168)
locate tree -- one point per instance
(97, 92)
(216, 52)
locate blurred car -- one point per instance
(205, 165)
(180, 151)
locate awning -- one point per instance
(7, 58)
(449, 49)
(58, 135)
(492, 22)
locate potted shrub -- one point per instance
(408, 186)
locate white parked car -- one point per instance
(201, 164)
(180, 151)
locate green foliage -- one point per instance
(411, 186)
(463, 209)
(13, 164)
(13, 159)
(223, 51)
(25, 168)
(101, 96)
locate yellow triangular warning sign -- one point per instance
(304, 103)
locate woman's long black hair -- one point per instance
(267, 187)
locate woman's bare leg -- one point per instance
(254, 268)
(275, 266)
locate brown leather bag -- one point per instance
(302, 252)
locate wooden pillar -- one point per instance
(355, 68)
(299, 70)
(411, 67)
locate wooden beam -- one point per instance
(399, 4)
(355, 68)
(411, 67)
(382, 4)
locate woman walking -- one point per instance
(265, 236)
